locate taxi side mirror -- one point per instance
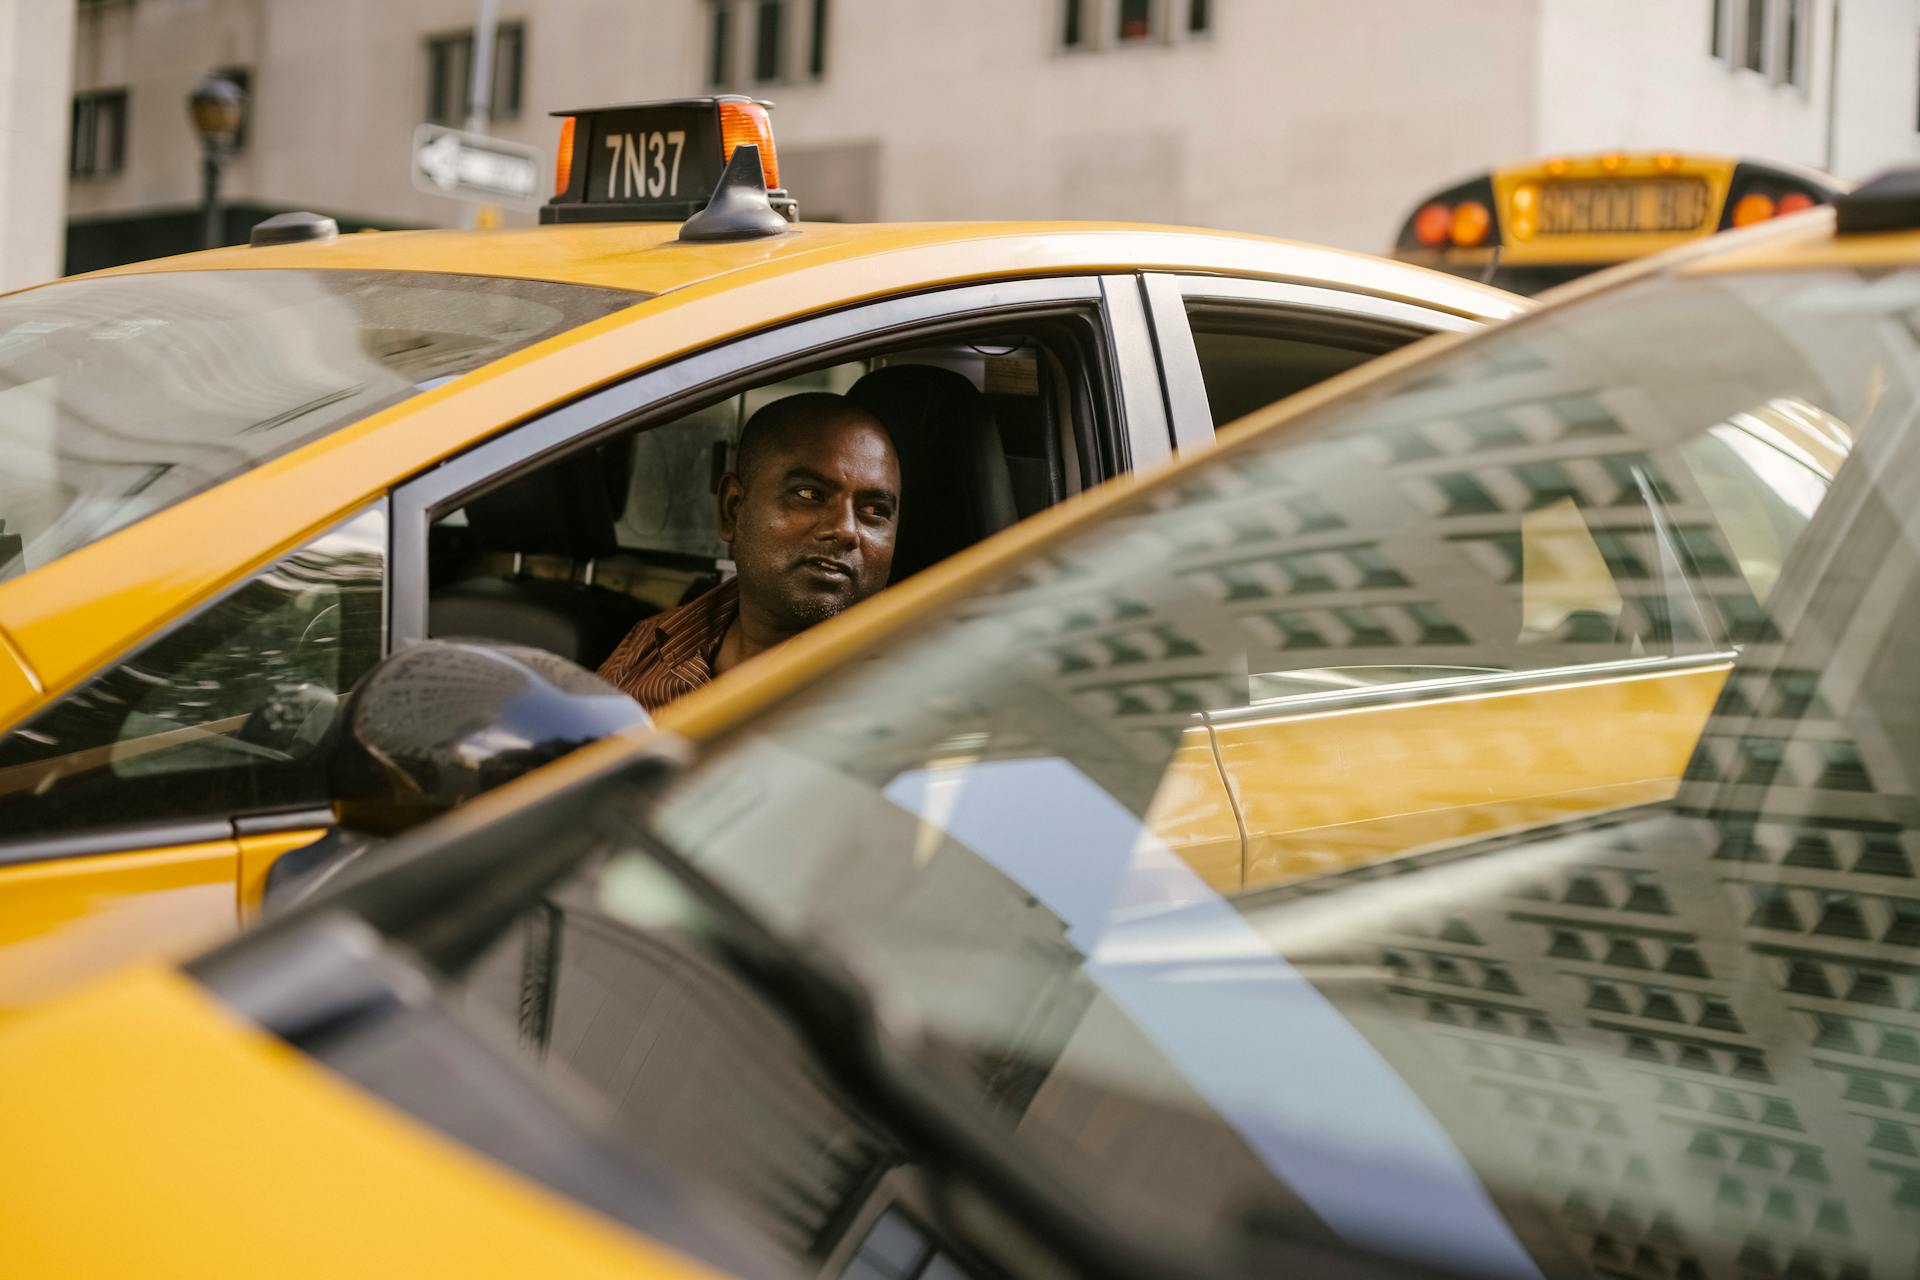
(441, 721)
(436, 724)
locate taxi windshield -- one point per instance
(121, 395)
(1475, 823)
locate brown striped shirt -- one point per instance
(672, 653)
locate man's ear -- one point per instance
(730, 495)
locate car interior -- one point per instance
(990, 428)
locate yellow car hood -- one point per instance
(148, 1132)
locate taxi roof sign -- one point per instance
(660, 161)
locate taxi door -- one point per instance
(139, 812)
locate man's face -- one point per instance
(812, 527)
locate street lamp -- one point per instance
(217, 108)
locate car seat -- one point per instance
(954, 484)
(537, 540)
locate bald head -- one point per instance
(810, 509)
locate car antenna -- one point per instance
(739, 208)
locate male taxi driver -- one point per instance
(810, 509)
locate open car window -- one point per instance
(990, 428)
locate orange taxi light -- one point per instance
(1795, 202)
(1752, 208)
(1433, 224)
(1610, 161)
(1666, 162)
(563, 158)
(746, 122)
(1471, 222)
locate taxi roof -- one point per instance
(649, 257)
(64, 619)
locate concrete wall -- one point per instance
(34, 39)
(1319, 119)
(1628, 74)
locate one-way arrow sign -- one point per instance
(467, 166)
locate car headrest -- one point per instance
(954, 485)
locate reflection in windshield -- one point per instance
(124, 394)
(1598, 960)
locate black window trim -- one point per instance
(138, 837)
(1131, 376)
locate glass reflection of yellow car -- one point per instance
(234, 480)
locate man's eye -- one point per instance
(806, 493)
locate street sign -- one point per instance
(468, 166)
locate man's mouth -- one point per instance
(829, 568)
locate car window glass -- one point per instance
(224, 714)
(1547, 1048)
(1252, 355)
(121, 395)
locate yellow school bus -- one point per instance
(1530, 226)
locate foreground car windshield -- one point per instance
(1477, 824)
(124, 394)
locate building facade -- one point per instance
(1322, 120)
(33, 103)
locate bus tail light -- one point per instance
(1471, 222)
(1760, 191)
(1433, 225)
(1752, 207)
(563, 158)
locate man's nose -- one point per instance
(837, 524)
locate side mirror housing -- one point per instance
(441, 721)
(435, 725)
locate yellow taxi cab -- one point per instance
(1567, 667)
(235, 479)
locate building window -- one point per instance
(767, 39)
(450, 74)
(817, 59)
(99, 140)
(1754, 38)
(1136, 20)
(1199, 17)
(509, 69)
(1717, 35)
(1792, 38)
(1072, 30)
(720, 31)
